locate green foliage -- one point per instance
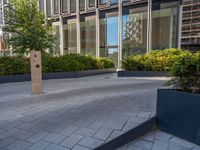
(186, 73)
(70, 62)
(14, 65)
(26, 24)
(105, 63)
(159, 60)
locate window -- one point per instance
(70, 38)
(41, 5)
(64, 6)
(88, 36)
(56, 49)
(82, 5)
(103, 2)
(164, 25)
(91, 3)
(56, 6)
(134, 31)
(48, 8)
(72, 6)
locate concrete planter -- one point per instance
(143, 74)
(178, 113)
(56, 75)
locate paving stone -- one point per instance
(54, 138)
(8, 133)
(160, 145)
(113, 125)
(143, 114)
(196, 147)
(103, 133)
(7, 141)
(22, 134)
(69, 130)
(144, 144)
(55, 147)
(90, 142)
(18, 145)
(26, 126)
(72, 140)
(115, 134)
(162, 136)
(182, 142)
(78, 147)
(129, 125)
(86, 131)
(37, 136)
(175, 146)
(39, 145)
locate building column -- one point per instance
(97, 33)
(119, 34)
(149, 27)
(180, 25)
(61, 36)
(78, 30)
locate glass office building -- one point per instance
(120, 28)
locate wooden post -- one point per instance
(36, 72)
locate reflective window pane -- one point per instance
(56, 49)
(56, 6)
(70, 38)
(41, 5)
(91, 3)
(82, 5)
(64, 6)
(109, 38)
(48, 8)
(88, 36)
(164, 26)
(102, 2)
(72, 6)
(135, 32)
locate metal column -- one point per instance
(78, 28)
(119, 34)
(97, 33)
(149, 27)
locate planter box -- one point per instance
(179, 114)
(56, 75)
(143, 74)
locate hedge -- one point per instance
(158, 60)
(69, 62)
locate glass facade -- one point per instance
(41, 5)
(70, 38)
(135, 24)
(164, 25)
(134, 32)
(88, 36)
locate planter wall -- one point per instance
(143, 74)
(56, 75)
(178, 113)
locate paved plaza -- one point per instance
(158, 140)
(77, 114)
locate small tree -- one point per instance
(26, 25)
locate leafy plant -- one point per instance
(186, 73)
(27, 27)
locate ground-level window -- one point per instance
(164, 25)
(134, 31)
(70, 37)
(88, 36)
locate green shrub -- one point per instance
(70, 62)
(14, 65)
(159, 60)
(105, 63)
(186, 73)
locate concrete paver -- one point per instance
(74, 113)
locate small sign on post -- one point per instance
(36, 72)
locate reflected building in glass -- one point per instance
(120, 28)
